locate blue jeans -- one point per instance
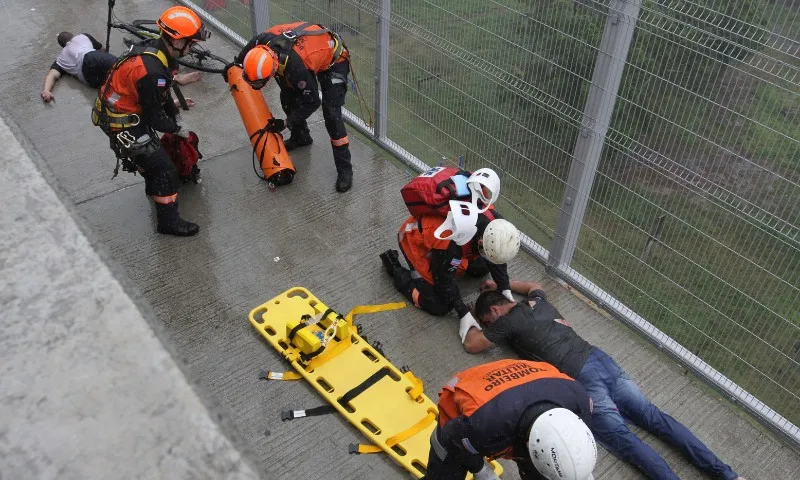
(616, 399)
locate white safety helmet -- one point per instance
(562, 446)
(461, 222)
(500, 241)
(484, 185)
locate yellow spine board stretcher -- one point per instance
(386, 404)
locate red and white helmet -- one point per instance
(485, 186)
(461, 222)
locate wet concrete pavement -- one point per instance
(254, 244)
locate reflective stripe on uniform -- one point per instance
(340, 141)
(260, 66)
(415, 297)
(165, 200)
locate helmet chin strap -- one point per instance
(181, 51)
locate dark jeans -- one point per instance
(617, 399)
(96, 65)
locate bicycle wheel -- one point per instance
(202, 59)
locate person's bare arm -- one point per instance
(49, 82)
(517, 286)
(476, 341)
(524, 288)
(187, 78)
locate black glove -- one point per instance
(225, 70)
(275, 125)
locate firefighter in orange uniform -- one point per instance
(135, 102)
(483, 245)
(305, 59)
(515, 409)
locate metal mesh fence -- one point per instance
(702, 163)
(233, 13)
(693, 216)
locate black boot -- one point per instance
(391, 262)
(344, 169)
(300, 138)
(344, 180)
(170, 222)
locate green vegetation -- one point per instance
(503, 84)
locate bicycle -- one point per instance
(198, 58)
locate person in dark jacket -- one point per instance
(516, 409)
(536, 330)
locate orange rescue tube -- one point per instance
(275, 162)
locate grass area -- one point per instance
(459, 88)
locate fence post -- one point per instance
(613, 51)
(382, 71)
(259, 16)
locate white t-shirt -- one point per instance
(71, 57)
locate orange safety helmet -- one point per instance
(259, 65)
(181, 22)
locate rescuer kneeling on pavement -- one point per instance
(478, 246)
(304, 58)
(535, 330)
(135, 102)
(517, 409)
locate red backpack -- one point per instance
(432, 191)
(184, 154)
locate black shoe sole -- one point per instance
(178, 234)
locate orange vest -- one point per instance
(119, 90)
(316, 51)
(416, 239)
(474, 387)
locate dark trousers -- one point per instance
(95, 68)
(333, 85)
(451, 469)
(153, 162)
(160, 175)
(423, 294)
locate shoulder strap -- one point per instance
(302, 29)
(134, 51)
(150, 51)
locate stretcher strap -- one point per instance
(417, 390)
(323, 357)
(320, 358)
(269, 375)
(305, 323)
(362, 309)
(363, 386)
(345, 400)
(311, 412)
(392, 441)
